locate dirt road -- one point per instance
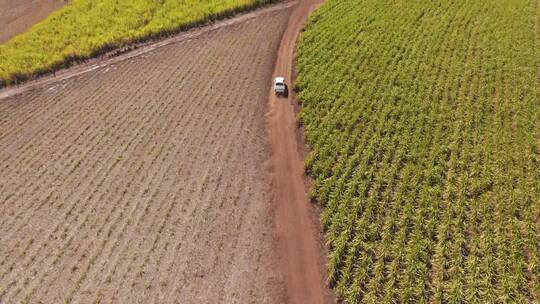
(17, 16)
(301, 249)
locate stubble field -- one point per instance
(141, 182)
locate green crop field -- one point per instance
(85, 28)
(424, 123)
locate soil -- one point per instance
(298, 227)
(144, 180)
(17, 16)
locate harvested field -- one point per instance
(143, 181)
(16, 16)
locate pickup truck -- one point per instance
(280, 88)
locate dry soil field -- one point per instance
(16, 16)
(141, 181)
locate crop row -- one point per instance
(423, 123)
(120, 184)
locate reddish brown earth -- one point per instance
(298, 229)
(145, 180)
(17, 16)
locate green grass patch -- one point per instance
(86, 28)
(424, 123)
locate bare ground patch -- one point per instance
(17, 16)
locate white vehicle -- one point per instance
(279, 86)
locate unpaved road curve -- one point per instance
(17, 16)
(298, 235)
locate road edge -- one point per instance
(298, 232)
(133, 51)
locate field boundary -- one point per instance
(135, 50)
(121, 43)
(298, 232)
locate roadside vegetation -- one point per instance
(424, 123)
(86, 28)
